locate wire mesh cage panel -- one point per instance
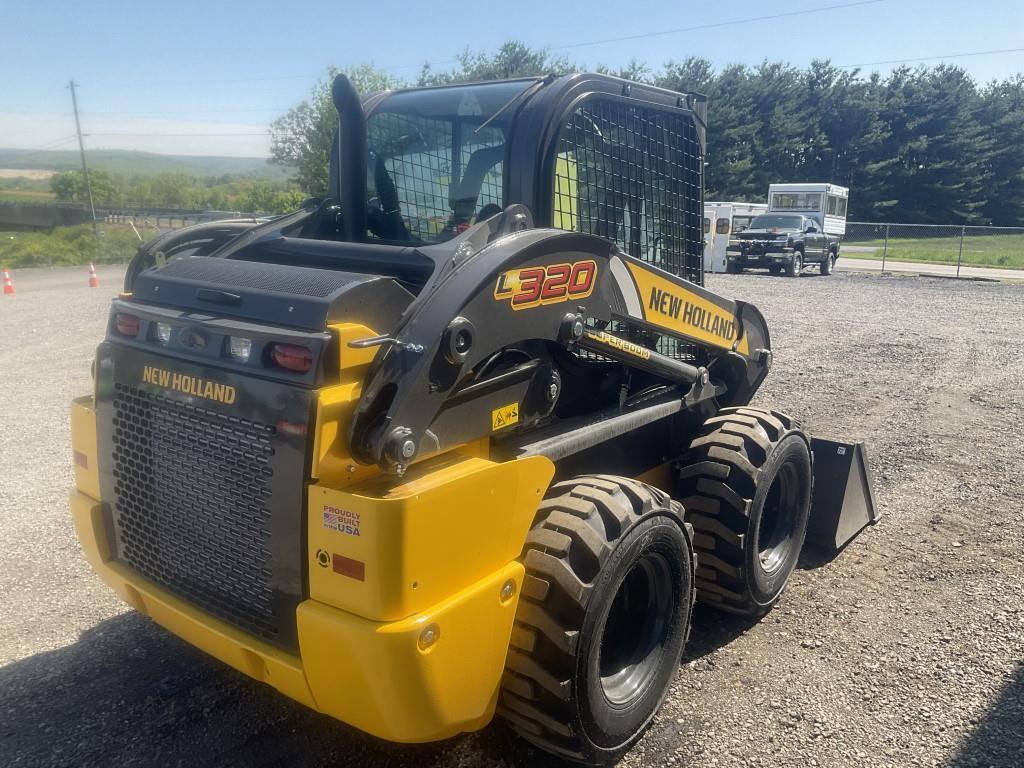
(634, 175)
(443, 172)
(416, 153)
(479, 173)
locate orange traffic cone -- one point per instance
(8, 285)
(94, 282)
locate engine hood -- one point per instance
(765, 234)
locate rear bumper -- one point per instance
(372, 675)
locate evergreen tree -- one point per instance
(1001, 115)
(919, 145)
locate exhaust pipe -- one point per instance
(350, 150)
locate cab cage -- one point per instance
(586, 153)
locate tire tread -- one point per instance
(718, 503)
(574, 534)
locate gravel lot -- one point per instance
(905, 650)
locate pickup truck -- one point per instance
(782, 241)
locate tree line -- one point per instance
(918, 145)
(178, 190)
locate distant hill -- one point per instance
(131, 163)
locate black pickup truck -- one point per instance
(782, 241)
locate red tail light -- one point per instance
(292, 357)
(127, 325)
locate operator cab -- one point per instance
(436, 159)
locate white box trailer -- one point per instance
(721, 221)
(825, 203)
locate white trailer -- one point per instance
(721, 221)
(825, 203)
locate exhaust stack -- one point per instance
(350, 150)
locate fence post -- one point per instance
(885, 248)
(960, 255)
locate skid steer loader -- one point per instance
(466, 437)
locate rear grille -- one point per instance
(191, 488)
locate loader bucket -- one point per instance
(843, 503)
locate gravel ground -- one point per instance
(904, 650)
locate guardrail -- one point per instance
(47, 215)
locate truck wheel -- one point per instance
(733, 268)
(602, 619)
(796, 265)
(828, 263)
(746, 487)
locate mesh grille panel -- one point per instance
(473, 148)
(633, 175)
(443, 171)
(189, 509)
(420, 177)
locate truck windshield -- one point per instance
(776, 222)
(433, 170)
(796, 201)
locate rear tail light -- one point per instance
(292, 357)
(126, 325)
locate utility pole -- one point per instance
(81, 149)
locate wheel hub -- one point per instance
(634, 633)
(778, 517)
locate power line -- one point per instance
(677, 30)
(717, 24)
(622, 38)
(47, 144)
(173, 83)
(164, 113)
(930, 58)
(203, 135)
(24, 154)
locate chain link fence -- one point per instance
(950, 244)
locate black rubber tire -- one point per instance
(595, 538)
(746, 486)
(733, 268)
(794, 267)
(828, 263)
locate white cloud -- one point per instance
(20, 130)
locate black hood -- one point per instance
(762, 234)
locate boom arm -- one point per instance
(434, 386)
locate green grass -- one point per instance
(1006, 251)
(68, 246)
(26, 196)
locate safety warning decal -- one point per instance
(505, 416)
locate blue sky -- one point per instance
(228, 69)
